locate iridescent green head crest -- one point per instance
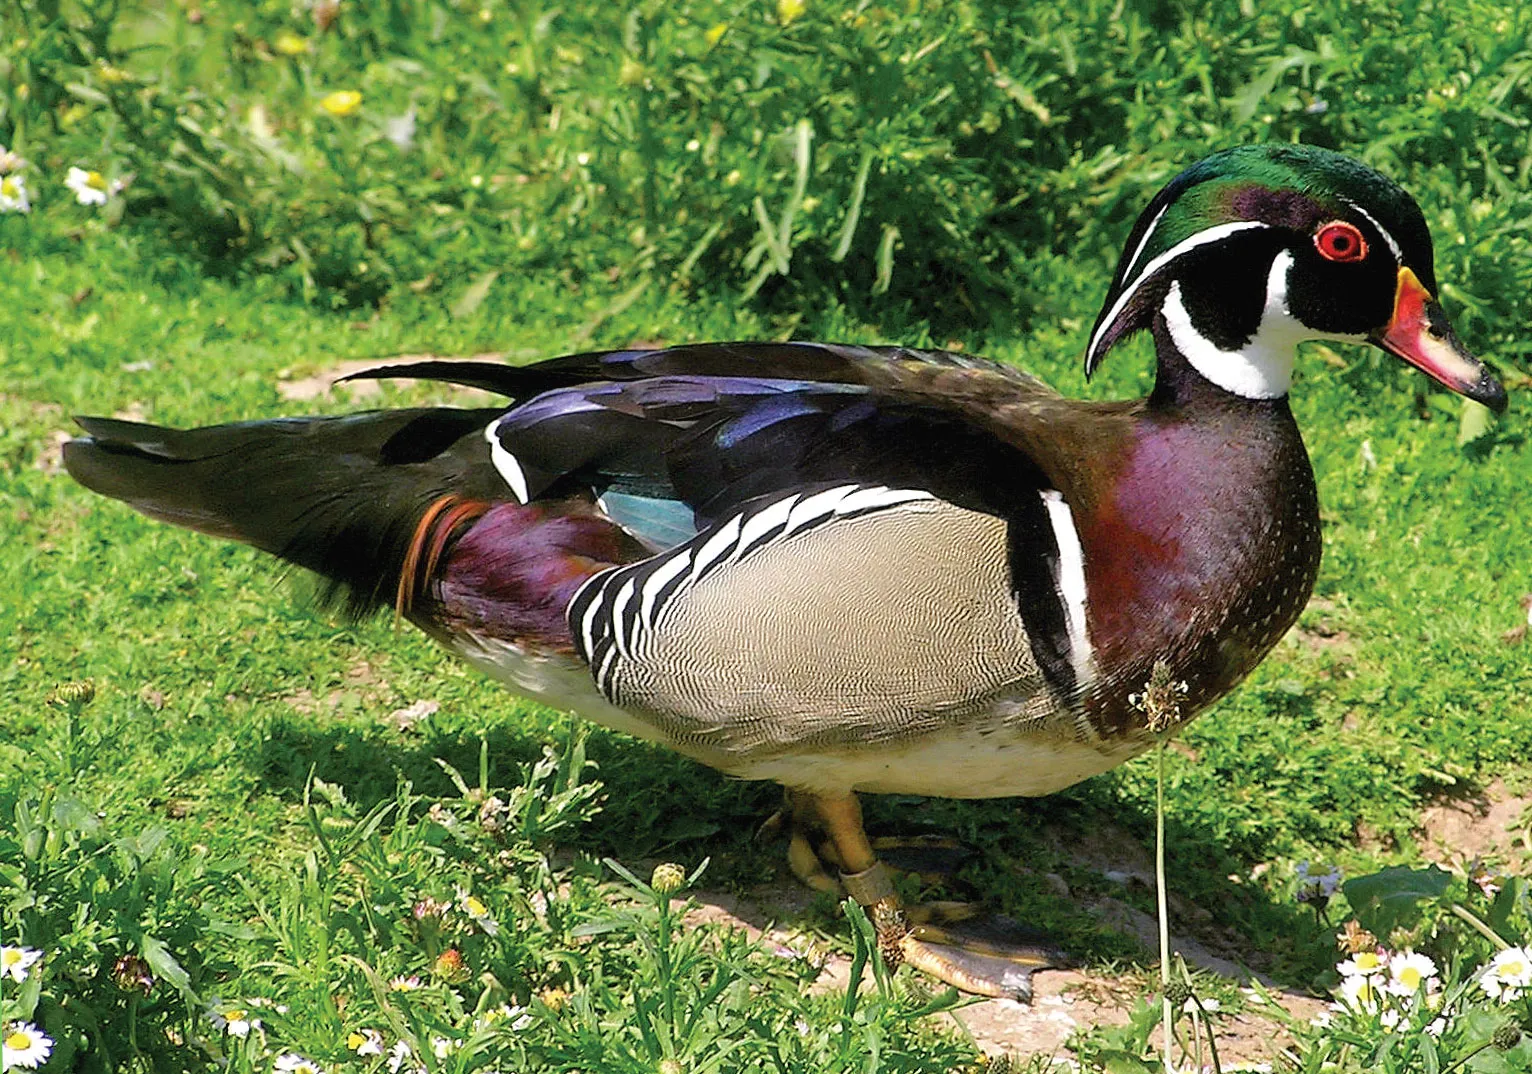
(1284, 190)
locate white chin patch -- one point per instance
(1263, 367)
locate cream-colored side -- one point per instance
(879, 628)
(881, 653)
(998, 754)
(968, 764)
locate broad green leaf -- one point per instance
(474, 297)
(1382, 900)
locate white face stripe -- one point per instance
(1201, 238)
(506, 463)
(1263, 367)
(1071, 585)
(1138, 251)
(1373, 220)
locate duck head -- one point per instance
(1255, 249)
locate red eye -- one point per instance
(1340, 241)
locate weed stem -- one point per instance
(1480, 927)
(1159, 883)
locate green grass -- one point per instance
(253, 731)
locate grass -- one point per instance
(237, 805)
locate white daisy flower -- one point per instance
(13, 199)
(1314, 886)
(293, 1063)
(16, 961)
(477, 912)
(401, 130)
(399, 1055)
(403, 983)
(1409, 972)
(89, 187)
(1508, 974)
(24, 1045)
(515, 1018)
(1364, 964)
(233, 1018)
(365, 1042)
(1360, 993)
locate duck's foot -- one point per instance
(959, 943)
(814, 858)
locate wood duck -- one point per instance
(864, 569)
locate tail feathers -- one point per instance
(367, 501)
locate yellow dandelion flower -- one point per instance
(789, 11)
(555, 999)
(341, 103)
(715, 33)
(290, 44)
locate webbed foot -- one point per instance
(960, 943)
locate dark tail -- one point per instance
(365, 500)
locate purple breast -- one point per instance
(1203, 555)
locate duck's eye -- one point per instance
(1340, 241)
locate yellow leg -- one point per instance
(978, 952)
(865, 878)
(842, 816)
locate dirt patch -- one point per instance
(1321, 631)
(325, 383)
(1065, 1001)
(362, 686)
(1487, 826)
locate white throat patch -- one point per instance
(1263, 367)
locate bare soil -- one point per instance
(1064, 1000)
(1489, 825)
